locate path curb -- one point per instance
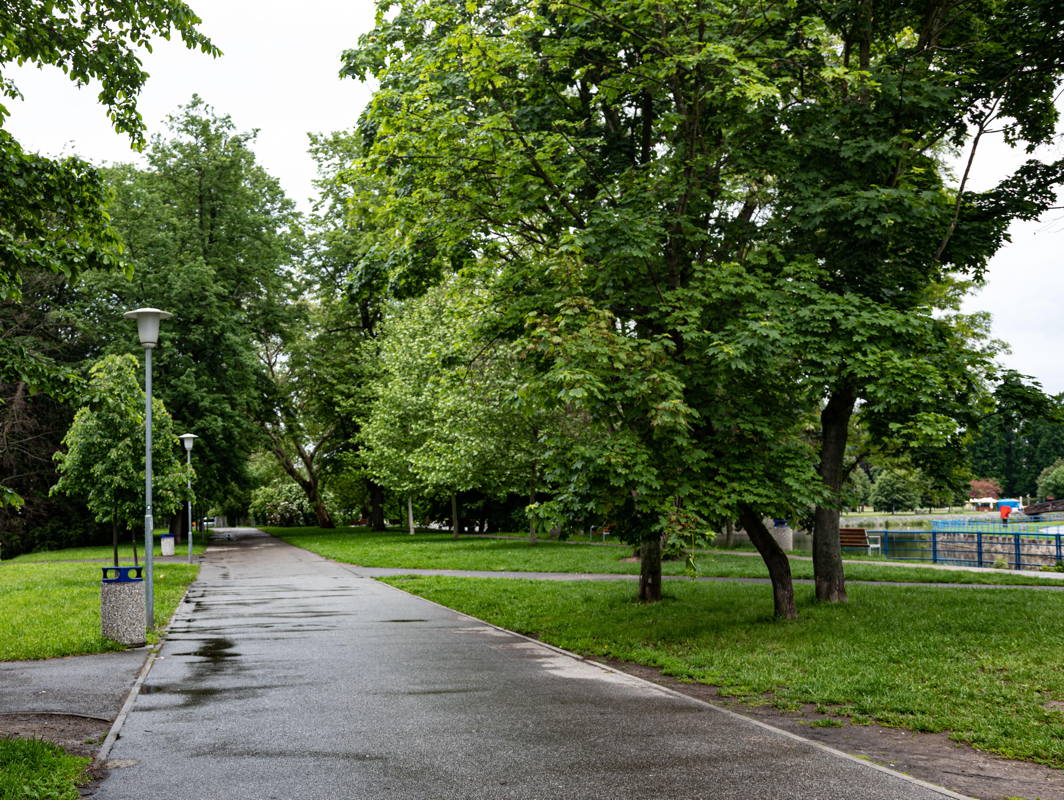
(100, 761)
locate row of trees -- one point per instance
(658, 264)
(205, 233)
(710, 234)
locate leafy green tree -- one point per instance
(857, 489)
(213, 239)
(1019, 437)
(585, 155)
(862, 190)
(103, 462)
(445, 418)
(1051, 480)
(52, 212)
(895, 490)
(688, 184)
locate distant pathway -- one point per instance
(290, 676)
(385, 572)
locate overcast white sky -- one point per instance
(279, 74)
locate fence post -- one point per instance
(1019, 554)
(1059, 556)
(934, 546)
(979, 548)
(884, 538)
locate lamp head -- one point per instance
(187, 439)
(148, 324)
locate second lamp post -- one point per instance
(187, 439)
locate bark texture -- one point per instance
(828, 574)
(650, 569)
(779, 567)
(376, 506)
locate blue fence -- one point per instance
(1019, 544)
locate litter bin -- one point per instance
(167, 540)
(122, 614)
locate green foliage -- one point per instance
(280, 503)
(706, 221)
(857, 657)
(446, 416)
(31, 769)
(1051, 480)
(212, 237)
(52, 213)
(104, 458)
(857, 490)
(895, 490)
(1023, 434)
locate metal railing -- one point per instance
(1014, 545)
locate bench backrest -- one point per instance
(853, 537)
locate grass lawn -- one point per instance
(34, 770)
(49, 610)
(441, 551)
(982, 665)
(105, 553)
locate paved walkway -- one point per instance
(286, 675)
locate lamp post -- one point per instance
(187, 439)
(148, 330)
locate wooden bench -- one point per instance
(858, 538)
(603, 530)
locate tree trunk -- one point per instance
(325, 519)
(531, 519)
(454, 514)
(410, 514)
(650, 568)
(376, 506)
(178, 525)
(135, 548)
(779, 567)
(828, 572)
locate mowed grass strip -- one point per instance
(50, 610)
(982, 665)
(104, 553)
(442, 551)
(35, 770)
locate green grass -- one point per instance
(978, 664)
(50, 610)
(441, 551)
(104, 553)
(35, 770)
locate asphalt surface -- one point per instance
(289, 676)
(89, 686)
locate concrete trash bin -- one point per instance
(167, 540)
(122, 615)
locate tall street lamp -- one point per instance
(187, 439)
(148, 330)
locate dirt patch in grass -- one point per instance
(79, 736)
(928, 756)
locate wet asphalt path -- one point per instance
(288, 676)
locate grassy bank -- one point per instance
(49, 610)
(441, 551)
(34, 770)
(981, 665)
